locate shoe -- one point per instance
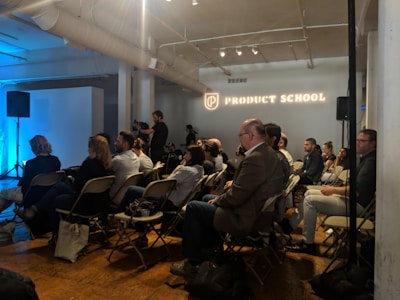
(184, 269)
(302, 247)
(26, 215)
(286, 227)
(141, 242)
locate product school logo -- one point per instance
(211, 100)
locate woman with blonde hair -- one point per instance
(62, 195)
(44, 162)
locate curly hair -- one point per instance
(40, 145)
(100, 146)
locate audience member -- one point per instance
(258, 177)
(15, 286)
(44, 162)
(327, 154)
(191, 135)
(62, 195)
(125, 162)
(172, 158)
(333, 200)
(146, 164)
(341, 160)
(211, 151)
(222, 156)
(160, 135)
(313, 165)
(186, 177)
(283, 148)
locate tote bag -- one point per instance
(72, 238)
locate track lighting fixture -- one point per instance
(254, 50)
(238, 51)
(222, 52)
(194, 2)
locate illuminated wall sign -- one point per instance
(212, 101)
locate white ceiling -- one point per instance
(182, 36)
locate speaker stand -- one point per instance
(17, 166)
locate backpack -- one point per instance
(221, 277)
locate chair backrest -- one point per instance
(133, 179)
(196, 190)
(45, 180)
(159, 188)
(96, 185)
(337, 170)
(344, 176)
(210, 181)
(293, 180)
(297, 165)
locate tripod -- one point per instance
(17, 166)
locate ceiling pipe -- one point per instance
(50, 18)
(310, 63)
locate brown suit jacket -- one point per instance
(258, 177)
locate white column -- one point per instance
(387, 263)
(143, 94)
(124, 96)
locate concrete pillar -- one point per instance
(143, 87)
(124, 96)
(387, 263)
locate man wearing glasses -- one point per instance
(258, 177)
(333, 200)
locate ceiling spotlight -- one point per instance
(254, 50)
(222, 52)
(238, 51)
(168, 0)
(194, 2)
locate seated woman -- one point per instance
(146, 164)
(341, 160)
(186, 177)
(62, 195)
(327, 154)
(44, 162)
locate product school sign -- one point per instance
(212, 100)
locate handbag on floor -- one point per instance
(72, 238)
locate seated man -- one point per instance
(332, 200)
(313, 165)
(258, 177)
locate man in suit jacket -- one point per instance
(313, 165)
(258, 177)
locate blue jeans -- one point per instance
(199, 235)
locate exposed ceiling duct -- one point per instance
(50, 17)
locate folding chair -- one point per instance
(96, 186)
(258, 241)
(340, 226)
(134, 179)
(39, 186)
(157, 188)
(176, 217)
(297, 165)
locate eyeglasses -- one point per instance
(240, 134)
(361, 141)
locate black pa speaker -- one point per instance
(18, 104)
(342, 108)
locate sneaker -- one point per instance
(141, 242)
(302, 247)
(184, 269)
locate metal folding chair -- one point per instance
(99, 185)
(134, 179)
(157, 188)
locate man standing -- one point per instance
(160, 135)
(125, 162)
(259, 176)
(313, 164)
(333, 200)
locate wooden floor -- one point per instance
(93, 277)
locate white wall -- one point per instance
(298, 120)
(67, 117)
